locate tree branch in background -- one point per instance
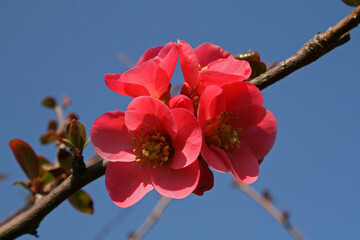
(320, 44)
(266, 203)
(28, 222)
(316, 47)
(152, 219)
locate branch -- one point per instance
(27, 222)
(316, 47)
(269, 207)
(152, 219)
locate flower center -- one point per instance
(221, 133)
(151, 148)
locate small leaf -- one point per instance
(48, 137)
(26, 157)
(26, 184)
(46, 177)
(44, 163)
(257, 68)
(52, 125)
(81, 201)
(65, 159)
(57, 171)
(76, 134)
(49, 102)
(353, 3)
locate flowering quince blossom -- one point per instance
(238, 132)
(207, 65)
(149, 146)
(151, 75)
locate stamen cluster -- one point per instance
(221, 132)
(151, 148)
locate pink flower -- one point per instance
(206, 181)
(151, 75)
(206, 65)
(148, 146)
(238, 131)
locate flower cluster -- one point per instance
(168, 143)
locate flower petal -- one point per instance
(244, 164)
(187, 143)
(211, 104)
(181, 101)
(127, 183)
(110, 137)
(177, 183)
(242, 94)
(206, 180)
(189, 63)
(115, 82)
(261, 137)
(231, 66)
(250, 115)
(215, 157)
(149, 54)
(149, 111)
(208, 52)
(154, 79)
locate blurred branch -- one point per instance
(151, 219)
(3, 176)
(266, 203)
(27, 222)
(316, 47)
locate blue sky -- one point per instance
(52, 48)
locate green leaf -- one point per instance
(48, 137)
(65, 159)
(25, 184)
(26, 157)
(257, 68)
(82, 202)
(49, 102)
(76, 134)
(353, 3)
(46, 177)
(44, 163)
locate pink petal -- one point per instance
(169, 56)
(242, 94)
(231, 66)
(187, 143)
(244, 164)
(248, 115)
(211, 104)
(116, 83)
(206, 180)
(110, 137)
(149, 111)
(177, 183)
(189, 63)
(127, 183)
(150, 75)
(208, 52)
(215, 157)
(261, 137)
(181, 101)
(149, 54)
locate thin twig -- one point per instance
(269, 207)
(316, 47)
(152, 218)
